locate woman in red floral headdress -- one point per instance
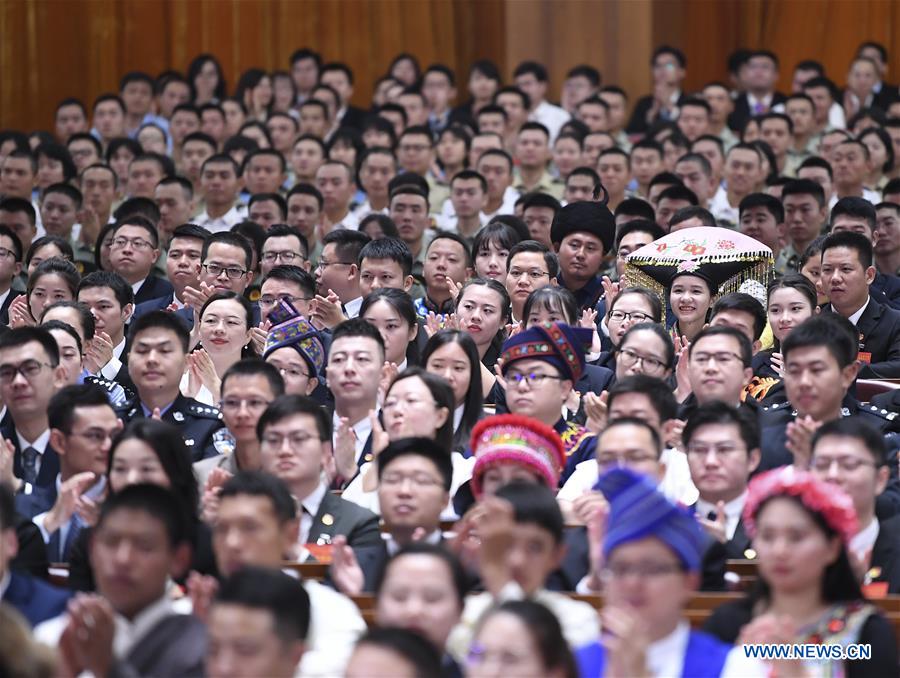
(807, 591)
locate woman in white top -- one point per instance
(225, 323)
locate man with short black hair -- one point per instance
(496, 166)
(582, 81)
(646, 163)
(133, 253)
(696, 173)
(195, 150)
(70, 118)
(531, 77)
(533, 153)
(111, 301)
(376, 169)
(539, 211)
(614, 169)
(156, 365)
(847, 273)
(337, 278)
(851, 161)
(777, 130)
(305, 65)
(220, 179)
(887, 238)
(805, 215)
(336, 182)
(468, 197)
(448, 264)
(762, 218)
(743, 174)
(258, 625)
(759, 73)
(284, 246)
(721, 105)
(267, 209)
(264, 504)
(304, 212)
(182, 268)
(174, 196)
(409, 208)
(108, 118)
(668, 70)
(10, 267)
(140, 542)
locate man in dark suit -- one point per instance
(760, 75)
(158, 361)
(132, 610)
(354, 369)
(668, 69)
(339, 77)
(111, 300)
(30, 374)
(722, 444)
(853, 456)
(847, 273)
(295, 441)
(32, 597)
(133, 254)
(414, 476)
(10, 267)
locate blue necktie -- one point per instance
(29, 465)
(75, 526)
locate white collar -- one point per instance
(856, 316)
(130, 633)
(119, 348)
(863, 541)
(4, 295)
(4, 583)
(668, 652)
(362, 429)
(40, 444)
(138, 285)
(458, 415)
(313, 500)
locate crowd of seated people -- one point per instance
(455, 384)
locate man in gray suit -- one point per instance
(131, 628)
(295, 441)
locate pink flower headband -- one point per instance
(829, 501)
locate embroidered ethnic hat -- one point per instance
(725, 259)
(585, 216)
(290, 329)
(824, 499)
(513, 439)
(637, 509)
(556, 343)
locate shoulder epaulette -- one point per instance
(204, 411)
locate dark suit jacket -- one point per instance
(354, 118)
(637, 124)
(36, 600)
(176, 646)
(32, 555)
(41, 499)
(158, 304)
(886, 554)
(4, 307)
(49, 461)
(886, 289)
(735, 547)
(153, 288)
(359, 525)
(196, 421)
(742, 112)
(879, 329)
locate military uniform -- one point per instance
(198, 423)
(118, 395)
(775, 418)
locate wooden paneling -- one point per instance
(50, 49)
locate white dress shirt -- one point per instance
(508, 206)
(350, 221)
(111, 369)
(309, 508)
(352, 307)
(856, 316)
(235, 215)
(550, 116)
(362, 429)
(863, 541)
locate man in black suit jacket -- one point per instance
(847, 272)
(35, 599)
(414, 477)
(10, 267)
(760, 75)
(160, 641)
(668, 70)
(339, 77)
(133, 254)
(853, 456)
(295, 441)
(30, 375)
(111, 300)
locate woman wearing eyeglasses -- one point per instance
(629, 307)
(645, 348)
(225, 322)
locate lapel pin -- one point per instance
(328, 519)
(178, 416)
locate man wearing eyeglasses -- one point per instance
(294, 441)
(284, 246)
(286, 283)
(247, 388)
(529, 267)
(30, 374)
(852, 455)
(82, 426)
(133, 253)
(10, 267)
(719, 362)
(722, 447)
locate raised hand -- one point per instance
(325, 312)
(67, 500)
(258, 336)
(596, 409)
(799, 439)
(99, 353)
(345, 570)
(87, 642)
(206, 371)
(20, 313)
(778, 364)
(345, 449)
(682, 378)
(201, 589)
(593, 509)
(496, 527)
(610, 290)
(389, 372)
(7, 455)
(626, 642)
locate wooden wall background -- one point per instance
(50, 49)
